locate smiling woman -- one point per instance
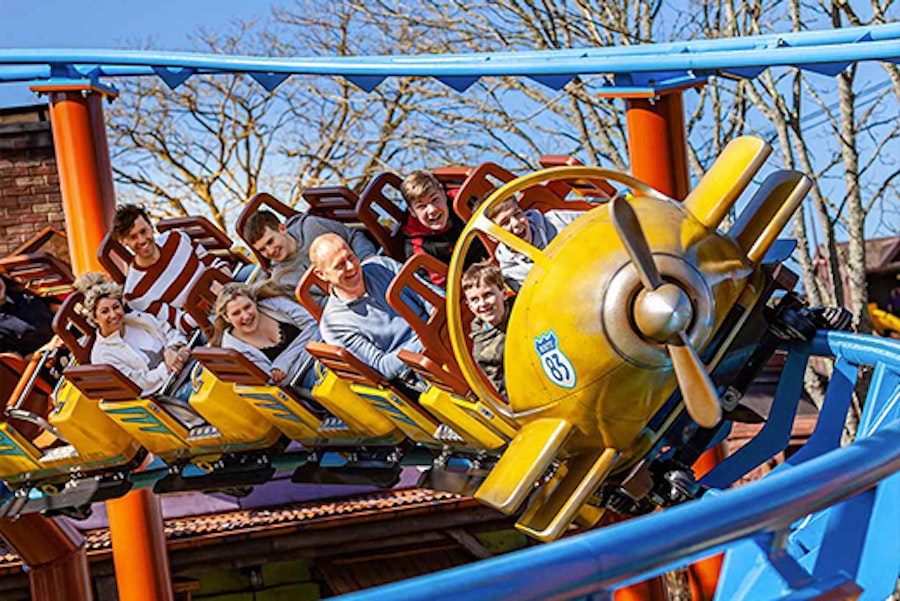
(145, 349)
(268, 328)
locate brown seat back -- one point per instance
(345, 364)
(41, 273)
(303, 292)
(432, 332)
(452, 177)
(257, 203)
(381, 215)
(428, 330)
(74, 329)
(599, 190)
(434, 373)
(487, 177)
(230, 366)
(484, 179)
(114, 257)
(14, 366)
(102, 382)
(332, 202)
(201, 299)
(13, 369)
(202, 231)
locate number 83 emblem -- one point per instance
(555, 364)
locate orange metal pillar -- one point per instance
(704, 574)
(53, 551)
(139, 548)
(82, 156)
(657, 147)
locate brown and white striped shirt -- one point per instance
(162, 288)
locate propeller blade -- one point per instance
(697, 389)
(632, 235)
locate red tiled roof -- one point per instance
(329, 513)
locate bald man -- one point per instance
(357, 315)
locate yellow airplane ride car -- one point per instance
(612, 321)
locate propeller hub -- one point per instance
(662, 313)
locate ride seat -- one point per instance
(97, 382)
(477, 423)
(229, 365)
(204, 232)
(102, 383)
(201, 299)
(409, 417)
(347, 365)
(451, 178)
(304, 292)
(333, 202)
(114, 257)
(379, 210)
(487, 177)
(74, 329)
(439, 365)
(41, 273)
(13, 371)
(600, 190)
(432, 333)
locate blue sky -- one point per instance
(111, 24)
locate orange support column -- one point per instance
(139, 554)
(82, 156)
(704, 574)
(54, 552)
(657, 147)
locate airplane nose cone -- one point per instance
(662, 313)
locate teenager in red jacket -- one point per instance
(431, 226)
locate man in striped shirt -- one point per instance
(163, 268)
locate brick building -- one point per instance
(30, 199)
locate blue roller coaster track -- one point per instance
(632, 68)
(825, 522)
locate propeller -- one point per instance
(663, 312)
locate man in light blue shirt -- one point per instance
(357, 315)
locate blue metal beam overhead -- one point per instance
(642, 67)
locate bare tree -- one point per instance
(201, 148)
(218, 139)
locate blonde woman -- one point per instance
(145, 349)
(268, 328)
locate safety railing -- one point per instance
(823, 525)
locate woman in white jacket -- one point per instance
(268, 328)
(140, 346)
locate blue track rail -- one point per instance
(653, 66)
(826, 521)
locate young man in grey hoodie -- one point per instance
(286, 245)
